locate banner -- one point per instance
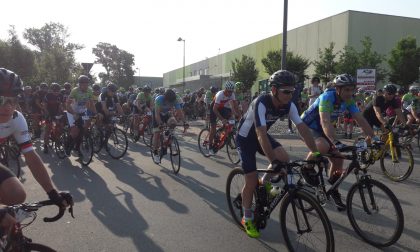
(366, 79)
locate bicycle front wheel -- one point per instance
(175, 153)
(86, 150)
(399, 169)
(235, 183)
(375, 213)
(302, 230)
(203, 142)
(232, 150)
(117, 144)
(147, 136)
(97, 138)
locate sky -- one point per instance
(149, 29)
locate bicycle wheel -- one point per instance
(147, 136)
(235, 183)
(29, 246)
(400, 170)
(60, 146)
(375, 213)
(175, 154)
(9, 157)
(232, 150)
(203, 142)
(97, 139)
(86, 150)
(117, 143)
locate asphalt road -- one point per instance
(133, 204)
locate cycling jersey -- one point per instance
(110, 101)
(327, 102)
(407, 99)
(144, 99)
(222, 100)
(165, 107)
(37, 99)
(80, 99)
(52, 102)
(208, 97)
(17, 127)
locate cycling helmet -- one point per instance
(55, 87)
(187, 91)
(213, 89)
(282, 78)
(43, 86)
(67, 85)
(83, 79)
(112, 87)
(10, 83)
(344, 80)
(29, 88)
(390, 89)
(96, 87)
(230, 86)
(315, 79)
(238, 85)
(162, 90)
(414, 88)
(170, 95)
(146, 89)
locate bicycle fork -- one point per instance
(364, 183)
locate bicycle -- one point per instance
(225, 135)
(10, 156)
(110, 137)
(366, 196)
(14, 240)
(296, 223)
(144, 128)
(168, 139)
(394, 151)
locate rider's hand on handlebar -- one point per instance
(316, 155)
(61, 199)
(339, 145)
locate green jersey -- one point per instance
(80, 99)
(142, 98)
(407, 99)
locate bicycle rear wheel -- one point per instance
(117, 143)
(232, 150)
(203, 142)
(400, 170)
(175, 154)
(302, 230)
(375, 213)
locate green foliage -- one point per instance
(118, 64)
(404, 62)
(325, 68)
(348, 61)
(295, 63)
(371, 59)
(245, 71)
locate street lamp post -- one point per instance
(284, 51)
(183, 68)
(138, 69)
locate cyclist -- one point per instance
(161, 114)
(208, 98)
(66, 91)
(37, 109)
(253, 136)
(320, 117)
(375, 110)
(221, 108)
(54, 106)
(408, 98)
(142, 105)
(78, 104)
(110, 105)
(14, 124)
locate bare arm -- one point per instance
(38, 170)
(378, 114)
(400, 116)
(307, 136)
(265, 143)
(327, 126)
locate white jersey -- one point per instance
(17, 127)
(222, 100)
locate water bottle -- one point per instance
(275, 191)
(361, 144)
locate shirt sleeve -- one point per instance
(259, 116)
(294, 115)
(325, 104)
(352, 107)
(21, 134)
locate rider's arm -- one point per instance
(119, 109)
(414, 113)
(216, 111)
(104, 108)
(327, 126)
(364, 125)
(265, 143)
(302, 128)
(38, 170)
(400, 116)
(234, 104)
(378, 114)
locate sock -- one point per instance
(248, 214)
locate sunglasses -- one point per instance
(6, 100)
(286, 91)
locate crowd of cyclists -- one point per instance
(316, 115)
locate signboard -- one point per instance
(87, 67)
(366, 79)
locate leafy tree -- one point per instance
(55, 55)
(404, 61)
(245, 71)
(348, 61)
(325, 68)
(295, 63)
(118, 64)
(371, 59)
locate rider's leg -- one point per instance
(11, 190)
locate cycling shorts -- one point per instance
(226, 113)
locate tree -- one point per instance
(325, 68)
(371, 59)
(245, 71)
(118, 64)
(295, 63)
(55, 55)
(404, 62)
(348, 61)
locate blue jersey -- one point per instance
(165, 106)
(327, 102)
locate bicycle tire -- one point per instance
(117, 137)
(10, 159)
(285, 224)
(147, 135)
(175, 155)
(86, 149)
(203, 142)
(356, 224)
(234, 187)
(391, 171)
(232, 150)
(29, 246)
(97, 139)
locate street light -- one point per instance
(183, 68)
(138, 69)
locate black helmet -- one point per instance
(213, 89)
(112, 87)
(170, 95)
(83, 79)
(344, 80)
(67, 85)
(282, 78)
(390, 89)
(10, 83)
(55, 87)
(96, 87)
(315, 78)
(147, 89)
(43, 85)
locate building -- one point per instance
(152, 82)
(347, 28)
